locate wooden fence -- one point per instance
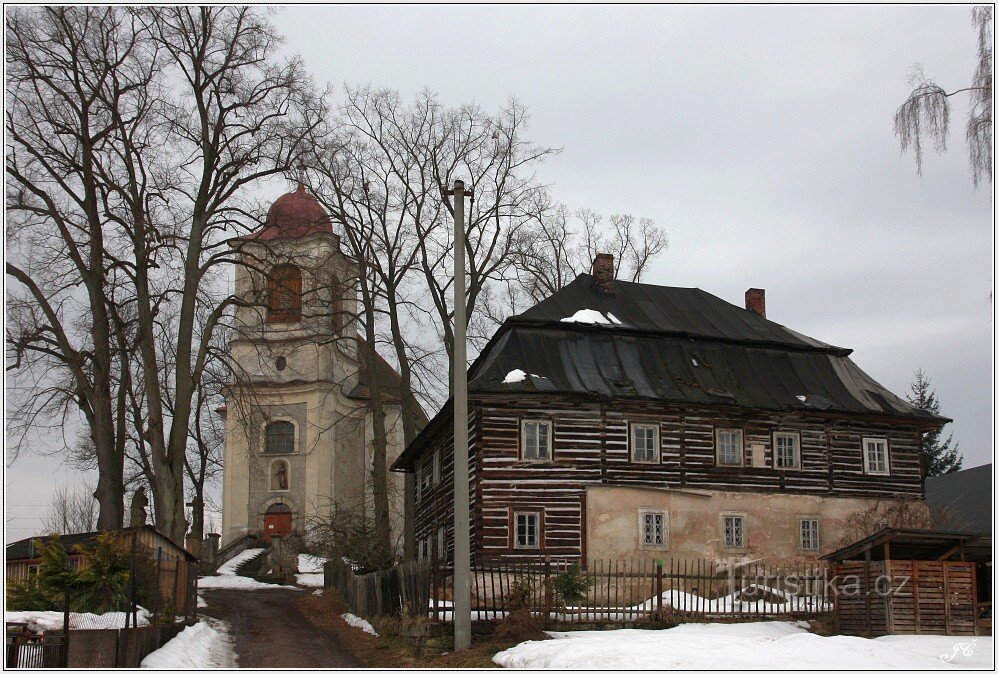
(616, 591)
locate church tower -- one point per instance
(297, 427)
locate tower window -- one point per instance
(284, 294)
(280, 438)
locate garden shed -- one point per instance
(914, 581)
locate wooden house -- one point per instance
(620, 420)
(176, 568)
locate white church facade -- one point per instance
(297, 420)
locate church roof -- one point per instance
(293, 215)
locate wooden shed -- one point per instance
(914, 581)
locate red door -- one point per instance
(277, 522)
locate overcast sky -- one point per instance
(760, 137)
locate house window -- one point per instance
(438, 461)
(526, 530)
(875, 459)
(809, 533)
(644, 443)
(441, 544)
(535, 440)
(33, 569)
(423, 549)
(653, 527)
(734, 531)
(284, 294)
(729, 447)
(425, 477)
(280, 438)
(786, 450)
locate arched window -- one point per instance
(280, 475)
(284, 294)
(280, 438)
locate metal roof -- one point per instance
(679, 345)
(23, 549)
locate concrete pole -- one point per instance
(462, 542)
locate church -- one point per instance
(298, 424)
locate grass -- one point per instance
(386, 652)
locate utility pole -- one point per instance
(459, 368)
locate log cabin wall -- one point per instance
(590, 447)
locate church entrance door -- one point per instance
(277, 521)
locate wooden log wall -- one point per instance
(590, 446)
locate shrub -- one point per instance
(571, 585)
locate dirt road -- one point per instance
(269, 630)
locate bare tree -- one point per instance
(72, 510)
(135, 137)
(924, 116)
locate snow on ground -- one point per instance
(40, 621)
(357, 621)
(205, 645)
(201, 602)
(227, 579)
(229, 568)
(310, 570)
(590, 316)
(761, 645)
(318, 593)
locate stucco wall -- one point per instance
(772, 522)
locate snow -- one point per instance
(514, 376)
(357, 621)
(318, 593)
(229, 568)
(201, 602)
(588, 316)
(40, 621)
(310, 570)
(205, 645)
(761, 645)
(227, 579)
(613, 319)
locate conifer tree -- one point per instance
(938, 456)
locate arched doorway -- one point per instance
(277, 521)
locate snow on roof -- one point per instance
(590, 316)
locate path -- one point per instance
(268, 629)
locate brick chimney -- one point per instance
(755, 300)
(603, 272)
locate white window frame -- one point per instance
(441, 543)
(426, 475)
(643, 543)
(867, 442)
(422, 549)
(539, 423)
(744, 531)
(538, 529)
(656, 430)
(741, 447)
(777, 435)
(438, 462)
(815, 533)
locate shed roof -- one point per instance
(679, 345)
(919, 544)
(24, 549)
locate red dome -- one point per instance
(295, 214)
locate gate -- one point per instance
(32, 651)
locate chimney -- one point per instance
(755, 300)
(603, 272)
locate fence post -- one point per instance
(159, 586)
(658, 586)
(547, 588)
(434, 585)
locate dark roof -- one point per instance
(680, 345)
(922, 544)
(23, 549)
(965, 496)
(390, 378)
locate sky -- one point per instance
(760, 138)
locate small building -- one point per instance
(177, 568)
(913, 581)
